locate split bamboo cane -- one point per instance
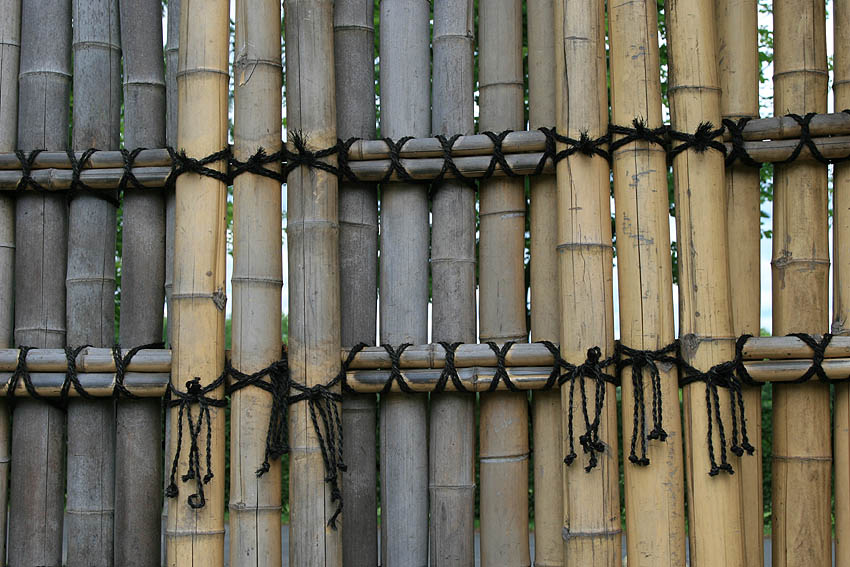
(504, 449)
(313, 248)
(354, 59)
(591, 499)
(196, 536)
(452, 434)
(801, 444)
(738, 66)
(36, 516)
(715, 510)
(138, 423)
(405, 111)
(90, 284)
(841, 291)
(255, 500)
(10, 54)
(654, 494)
(545, 300)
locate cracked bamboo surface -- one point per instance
(802, 451)
(255, 501)
(196, 537)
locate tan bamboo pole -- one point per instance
(10, 54)
(591, 499)
(738, 66)
(452, 416)
(405, 111)
(138, 443)
(655, 492)
(255, 500)
(313, 248)
(36, 516)
(196, 536)
(715, 514)
(841, 290)
(354, 60)
(801, 445)
(90, 284)
(504, 448)
(545, 300)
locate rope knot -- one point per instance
(587, 145)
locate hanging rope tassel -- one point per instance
(195, 394)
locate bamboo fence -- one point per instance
(802, 451)
(354, 60)
(41, 222)
(545, 300)
(405, 110)
(196, 535)
(451, 458)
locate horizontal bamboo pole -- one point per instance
(97, 384)
(153, 171)
(97, 360)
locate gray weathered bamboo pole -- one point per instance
(313, 251)
(196, 536)
(354, 62)
(655, 494)
(90, 284)
(452, 416)
(138, 443)
(802, 451)
(715, 511)
(504, 450)
(545, 298)
(405, 111)
(10, 52)
(738, 65)
(35, 516)
(841, 291)
(255, 501)
(591, 500)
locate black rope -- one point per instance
(119, 390)
(449, 166)
(501, 373)
(395, 372)
(449, 370)
(195, 395)
(26, 180)
(128, 177)
(700, 141)
(739, 151)
(638, 132)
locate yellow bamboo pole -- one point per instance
(655, 494)
(591, 500)
(196, 536)
(841, 289)
(714, 502)
(504, 450)
(313, 249)
(545, 301)
(255, 500)
(801, 436)
(738, 66)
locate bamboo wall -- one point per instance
(435, 228)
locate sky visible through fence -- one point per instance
(765, 20)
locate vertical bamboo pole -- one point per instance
(10, 51)
(196, 536)
(738, 66)
(841, 289)
(504, 449)
(90, 284)
(655, 494)
(10, 55)
(138, 443)
(255, 538)
(405, 111)
(452, 434)
(354, 62)
(41, 223)
(591, 499)
(801, 436)
(715, 511)
(313, 248)
(545, 299)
